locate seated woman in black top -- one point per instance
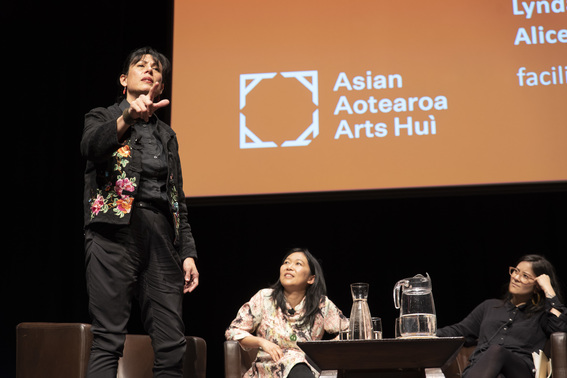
(509, 330)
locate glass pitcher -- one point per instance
(360, 319)
(414, 298)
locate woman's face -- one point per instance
(522, 281)
(295, 273)
(141, 77)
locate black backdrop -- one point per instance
(61, 61)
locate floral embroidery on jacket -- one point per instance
(115, 195)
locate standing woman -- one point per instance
(294, 309)
(509, 330)
(138, 241)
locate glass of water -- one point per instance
(344, 332)
(377, 328)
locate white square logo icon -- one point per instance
(248, 139)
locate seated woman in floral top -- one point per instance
(294, 309)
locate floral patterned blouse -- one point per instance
(261, 317)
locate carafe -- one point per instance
(360, 319)
(414, 298)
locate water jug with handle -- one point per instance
(360, 319)
(414, 298)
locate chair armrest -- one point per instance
(138, 357)
(195, 363)
(232, 359)
(237, 360)
(52, 349)
(455, 369)
(559, 354)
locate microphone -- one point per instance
(291, 311)
(507, 324)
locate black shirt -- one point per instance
(152, 185)
(495, 321)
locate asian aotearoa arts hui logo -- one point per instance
(249, 139)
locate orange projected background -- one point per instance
(309, 96)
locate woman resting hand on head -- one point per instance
(294, 309)
(509, 330)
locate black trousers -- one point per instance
(498, 362)
(135, 260)
(300, 370)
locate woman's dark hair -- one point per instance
(314, 293)
(540, 265)
(135, 56)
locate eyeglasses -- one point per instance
(523, 277)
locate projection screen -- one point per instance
(339, 95)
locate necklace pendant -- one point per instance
(293, 337)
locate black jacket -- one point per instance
(113, 172)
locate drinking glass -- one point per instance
(377, 328)
(344, 333)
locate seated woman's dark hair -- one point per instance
(314, 293)
(540, 265)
